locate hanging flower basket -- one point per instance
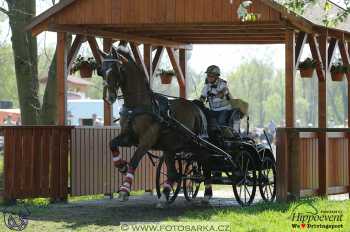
(85, 70)
(85, 66)
(307, 72)
(166, 76)
(337, 76)
(338, 71)
(166, 79)
(307, 68)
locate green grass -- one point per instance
(265, 217)
(261, 217)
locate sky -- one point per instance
(228, 57)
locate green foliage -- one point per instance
(339, 67)
(81, 61)
(8, 86)
(307, 63)
(329, 19)
(96, 90)
(255, 82)
(169, 72)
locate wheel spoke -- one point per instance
(247, 190)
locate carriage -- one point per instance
(152, 121)
(235, 158)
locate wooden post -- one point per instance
(157, 58)
(282, 164)
(183, 66)
(178, 70)
(294, 166)
(107, 108)
(290, 76)
(147, 57)
(322, 116)
(61, 78)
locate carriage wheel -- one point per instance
(192, 178)
(267, 179)
(245, 188)
(162, 176)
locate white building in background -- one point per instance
(77, 110)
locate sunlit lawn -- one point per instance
(105, 217)
(260, 217)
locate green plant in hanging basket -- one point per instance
(166, 76)
(338, 70)
(307, 67)
(86, 66)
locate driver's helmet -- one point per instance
(213, 70)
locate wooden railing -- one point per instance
(312, 162)
(92, 170)
(36, 161)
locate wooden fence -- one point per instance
(312, 162)
(36, 161)
(92, 170)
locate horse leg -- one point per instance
(208, 191)
(121, 140)
(172, 176)
(146, 141)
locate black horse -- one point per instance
(143, 118)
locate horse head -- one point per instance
(112, 71)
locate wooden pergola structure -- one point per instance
(177, 24)
(171, 25)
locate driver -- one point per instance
(216, 92)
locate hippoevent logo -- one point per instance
(305, 216)
(16, 217)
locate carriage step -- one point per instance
(221, 180)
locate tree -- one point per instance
(24, 46)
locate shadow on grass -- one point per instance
(75, 216)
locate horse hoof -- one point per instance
(205, 200)
(163, 198)
(123, 196)
(160, 205)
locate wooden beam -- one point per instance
(94, 48)
(147, 57)
(116, 35)
(107, 108)
(322, 117)
(157, 58)
(322, 92)
(179, 75)
(282, 164)
(290, 76)
(183, 66)
(333, 43)
(317, 56)
(78, 41)
(301, 40)
(61, 78)
(344, 53)
(138, 58)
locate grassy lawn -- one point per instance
(274, 217)
(260, 217)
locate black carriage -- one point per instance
(235, 158)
